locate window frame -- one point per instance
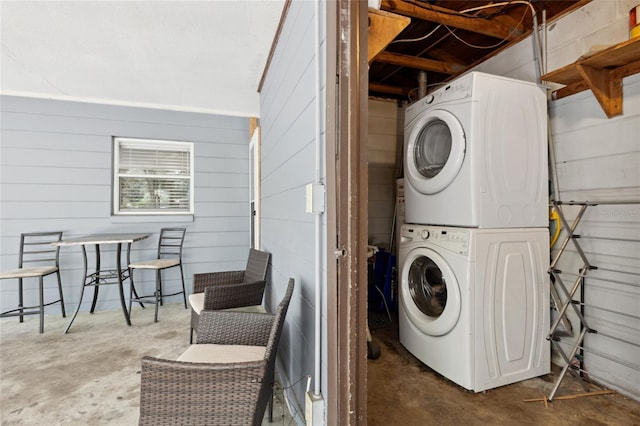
(156, 144)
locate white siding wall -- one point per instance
(287, 102)
(597, 159)
(56, 160)
(384, 145)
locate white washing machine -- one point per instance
(476, 155)
(474, 303)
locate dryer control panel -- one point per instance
(458, 89)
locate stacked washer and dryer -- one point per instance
(473, 253)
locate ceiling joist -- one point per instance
(484, 28)
(452, 19)
(389, 90)
(418, 63)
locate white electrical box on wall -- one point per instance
(315, 198)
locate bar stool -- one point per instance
(169, 256)
(38, 258)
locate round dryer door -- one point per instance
(435, 151)
(430, 292)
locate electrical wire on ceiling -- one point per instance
(511, 33)
(473, 9)
(502, 5)
(466, 12)
(410, 40)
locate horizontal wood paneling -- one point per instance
(114, 112)
(56, 174)
(52, 175)
(41, 158)
(597, 159)
(95, 126)
(24, 192)
(384, 145)
(287, 104)
(607, 171)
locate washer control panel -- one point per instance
(455, 239)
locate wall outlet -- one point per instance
(313, 409)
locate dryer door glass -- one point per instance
(434, 151)
(432, 148)
(427, 286)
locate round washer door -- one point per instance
(435, 151)
(430, 292)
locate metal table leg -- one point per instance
(97, 279)
(84, 284)
(125, 311)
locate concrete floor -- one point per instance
(403, 391)
(90, 376)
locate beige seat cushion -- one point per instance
(35, 271)
(196, 300)
(210, 353)
(256, 309)
(155, 264)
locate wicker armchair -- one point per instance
(214, 291)
(221, 380)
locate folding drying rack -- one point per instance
(565, 298)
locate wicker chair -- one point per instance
(39, 257)
(214, 291)
(225, 379)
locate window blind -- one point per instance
(153, 176)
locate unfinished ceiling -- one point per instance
(447, 37)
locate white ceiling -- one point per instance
(205, 56)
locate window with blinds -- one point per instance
(152, 177)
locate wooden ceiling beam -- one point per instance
(451, 19)
(443, 55)
(389, 90)
(417, 63)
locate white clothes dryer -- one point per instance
(476, 155)
(474, 303)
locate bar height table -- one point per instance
(103, 276)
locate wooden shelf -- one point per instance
(383, 28)
(602, 73)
